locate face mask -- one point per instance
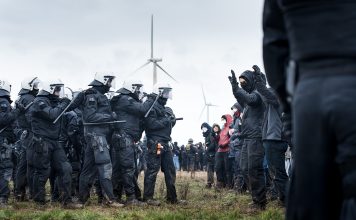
(245, 87)
(162, 101)
(223, 122)
(204, 129)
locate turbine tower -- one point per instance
(154, 61)
(207, 105)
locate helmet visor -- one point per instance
(110, 82)
(166, 93)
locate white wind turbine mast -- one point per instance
(154, 61)
(207, 105)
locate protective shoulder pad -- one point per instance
(90, 91)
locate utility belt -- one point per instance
(100, 147)
(6, 149)
(39, 145)
(121, 140)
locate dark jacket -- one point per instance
(272, 123)
(7, 118)
(43, 112)
(235, 139)
(130, 109)
(253, 109)
(158, 124)
(210, 141)
(24, 119)
(97, 109)
(293, 30)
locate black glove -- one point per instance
(258, 75)
(151, 97)
(170, 114)
(114, 116)
(20, 107)
(233, 81)
(65, 101)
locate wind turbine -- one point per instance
(207, 105)
(154, 61)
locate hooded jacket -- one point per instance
(210, 141)
(254, 108)
(224, 139)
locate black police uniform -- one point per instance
(24, 172)
(319, 38)
(7, 138)
(48, 154)
(127, 108)
(158, 126)
(97, 159)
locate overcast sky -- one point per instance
(199, 41)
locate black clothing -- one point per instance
(24, 119)
(158, 130)
(97, 109)
(47, 153)
(43, 112)
(252, 152)
(131, 110)
(253, 110)
(158, 124)
(323, 176)
(97, 159)
(165, 163)
(7, 138)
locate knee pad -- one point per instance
(106, 171)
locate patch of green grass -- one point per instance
(203, 203)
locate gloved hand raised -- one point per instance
(258, 75)
(233, 81)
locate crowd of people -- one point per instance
(89, 139)
(83, 140)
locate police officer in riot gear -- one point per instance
(48, 154)
(97, 159)
(24, 173)
(128, 107)
(158, 128)
(7, 138)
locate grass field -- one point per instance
(202, 204)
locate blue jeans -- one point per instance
(176, 162)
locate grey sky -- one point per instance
(199, 41)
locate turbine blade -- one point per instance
(151, 36)
(166, 72)
(202, 111)
(148, 62)
(214, 105)
(202, 89)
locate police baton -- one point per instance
(103, 123)
(26, 108)
(149, 110)
(60, 115)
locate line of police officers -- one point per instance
(94, 141)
